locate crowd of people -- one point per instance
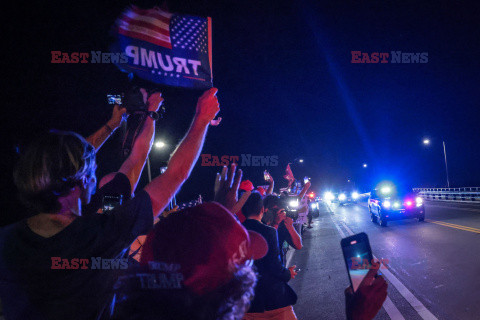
(222, 259)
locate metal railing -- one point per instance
(467, 194)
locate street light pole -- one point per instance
(446, 166)
(426, 142)
(149, 170)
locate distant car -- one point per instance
(347, 197)
(314, 208)
(387, 203)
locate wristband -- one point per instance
(154, 115)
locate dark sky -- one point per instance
(286, 87)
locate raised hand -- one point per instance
(226, 187)
(208, 107)
(118, 114)
(154, 101)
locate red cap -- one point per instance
(261, 191)
(246, 185)
(204, 244)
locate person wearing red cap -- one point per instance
(246, 185)
(262, 191)
(196, 265)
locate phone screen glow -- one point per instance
(358, 261)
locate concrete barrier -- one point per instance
(468, 194)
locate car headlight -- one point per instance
(354, 195)
(386, 190)
(342, 197)
(386, 204)
(293, 204)
(313, 206)
(419, 201)
(396, 204)
(328, 196)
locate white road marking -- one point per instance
(392, 310)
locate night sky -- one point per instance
(287, 88)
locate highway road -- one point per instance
(433, 270)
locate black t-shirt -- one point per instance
(284, 238)
(118, 186)
(31, 286)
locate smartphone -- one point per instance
(266, 175)
(110, 202)
(114, 99)
(358, 257)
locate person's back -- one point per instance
(66, 276)
(60, 264)
(272, 292)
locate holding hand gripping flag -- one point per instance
(289, 175)
(165, 48)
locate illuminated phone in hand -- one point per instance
(358, 257)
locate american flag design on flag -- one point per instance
(165, 48)
(189, 33)
(151, 25)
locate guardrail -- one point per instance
(468, 194)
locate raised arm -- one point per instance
(304, 190)
(164, 187)
(271, 184)
(101, 135)
(296, 239)
(133, 166)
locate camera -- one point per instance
(132, 99)
(291, 204)
(114, 98)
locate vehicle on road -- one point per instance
(388, 203)
(347, 197)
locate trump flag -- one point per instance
(165, 48)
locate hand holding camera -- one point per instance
(118, 115)
(288, 222)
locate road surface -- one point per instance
(433, 270)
